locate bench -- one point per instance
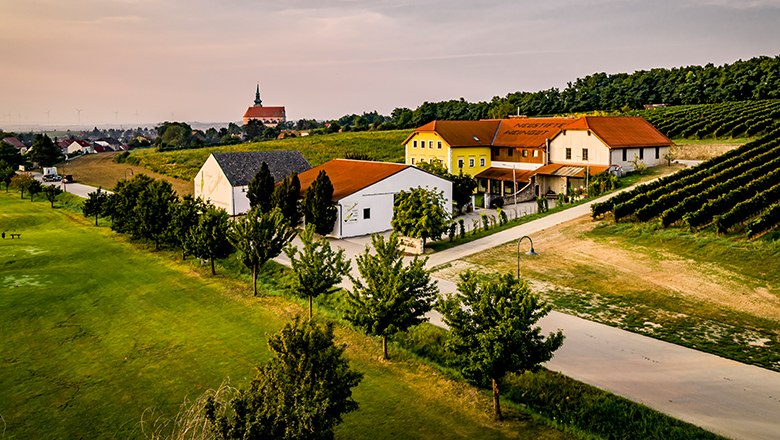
(15, 236)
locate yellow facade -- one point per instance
(429, 146)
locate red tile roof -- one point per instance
(350, 176)
(264, 112)
(570, 170)
(622, 131)
(506, 174)
(462, 133)
(528, 132)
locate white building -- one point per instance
(224, 177)
(364, 192)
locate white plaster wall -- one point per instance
(517, 165)
(379, 198)
(212, 185)
(649, 157)
(240, 201)
(598, 153)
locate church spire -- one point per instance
(258, 102)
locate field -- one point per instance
(98, 333)
(711, 293)
(379, 145)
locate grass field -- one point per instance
(98, 332)
(379, 145)
(711, 293)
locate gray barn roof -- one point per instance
(241, 167)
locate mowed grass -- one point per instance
(379, 145)
(98, 333)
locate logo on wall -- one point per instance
(351, 214)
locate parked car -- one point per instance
(68, 178)
(51, 178)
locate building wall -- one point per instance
(212, 185)
(415, 152)
(479, 155)
(598, 153)
(648, 155)
(524, 158)
(378, 199)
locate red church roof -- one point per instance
(261, 112)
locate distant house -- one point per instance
(364, 192)
(78, 146)
(224, 177)
(269, 116)
(16, 143)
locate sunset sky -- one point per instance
(145, 61)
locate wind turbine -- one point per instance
(78, 110)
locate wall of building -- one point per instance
(647, 154)
(479, 155)
(435, 148)
(577, 140)
(378, 199)
(212, 185)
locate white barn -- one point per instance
(364, 192)
(224, 177)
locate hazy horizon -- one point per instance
(142, 62)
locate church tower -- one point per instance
(258, 101)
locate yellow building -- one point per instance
(458, 145)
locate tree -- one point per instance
(95, 204)
(318, 208)
(51, 192)
(301, 393)
(34, 188)
(209, 238)
(258, 237)
(420, 213)
(6, 173)
(493, 330)
(184, 218)
(10, 155)
(22, 182)
(260, 189)
(463, 187)
(389, 297)
(45, 152)
(120, 206)
(285, 197)
(153, 210)
(316, 268)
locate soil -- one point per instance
(101, 170)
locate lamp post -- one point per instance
(530, 252)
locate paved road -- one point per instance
(73, 188)
(726, 397)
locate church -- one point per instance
(268, 116)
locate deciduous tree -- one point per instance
(493, 330)
(51, 192)
(301, 393)
(22, 182)
(318, 207)
(34, 188)
(95, 204)
(258, 237)
(420, 213)
(389, 297)
(6, 174)
(316, 267)
(154, 210)
(209, 238)
(184, 218)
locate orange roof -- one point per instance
(462, 133)
(349, 176)
(570, 170)
(264, 112)
(528, 132)
(506, 174)
(622, 131)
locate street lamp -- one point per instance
(530, 252)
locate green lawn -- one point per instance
(96, 332)
(379, 145)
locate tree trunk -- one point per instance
(310, 307)
(96, 219)
(384, 347)
(213, 271)
(254, 279)
(496, 403)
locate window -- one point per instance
(366, 213)
(568, 154)
(509, 152)
(414, 144)
(641, 153)
(657, 152)
(625, 155)
(460, 162)
(438, 144)
(584, 154)
(471, 162)
(430, 145)
(525, 153)
(412, 161)
(536, 153)
(482, 161)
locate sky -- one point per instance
(131, 62)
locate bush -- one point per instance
(497, 202)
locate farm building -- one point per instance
(270, 116)
(533, 156)
(224, 177)
(364, 192)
